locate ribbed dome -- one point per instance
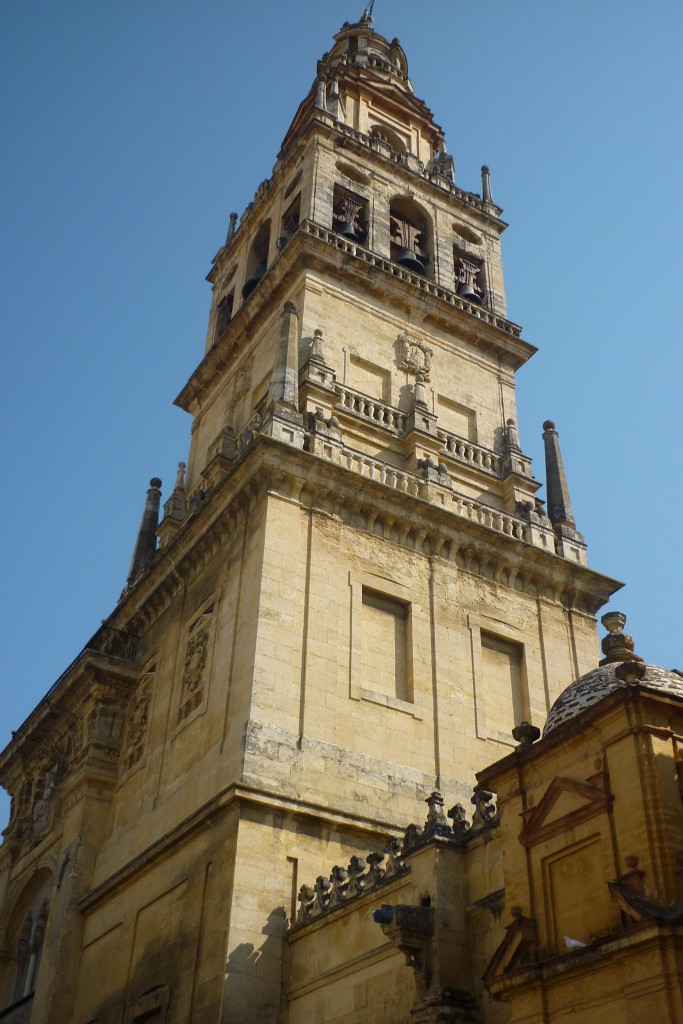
(591, 688)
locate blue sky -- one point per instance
(131, 130)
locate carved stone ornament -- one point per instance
(140, 713)
(195, 659)
(415, 356)
(242, 382)
(45, 789)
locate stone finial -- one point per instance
(420, 390)
(317, 351)
(486, 185)
(511, 436)
(617, 645)
(321, 94)
(284, 384)
(559, 506)
(232, 228)
(525, 734)
(180, 478)
(146, 544)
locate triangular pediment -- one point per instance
(517, 949)
(565, 803)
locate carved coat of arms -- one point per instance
(414, 356)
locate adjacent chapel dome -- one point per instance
(619, 668)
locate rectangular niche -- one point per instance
(500, 684)
(456, 418)
(383, 621)
(384, 650)
(369, 378)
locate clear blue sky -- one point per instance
(131, 130)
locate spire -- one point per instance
(559, 505)
(146, 544)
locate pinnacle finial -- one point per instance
(559, 506)
(486, 185)
(146, 544)
(617, 645)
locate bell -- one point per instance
(254, 280)
(466, 291)
(407, 258)
(347, 230)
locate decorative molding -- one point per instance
(537, 828)
(415, 356)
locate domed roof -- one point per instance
(620, 667)
(605, 679)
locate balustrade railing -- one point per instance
(416, 166)
(467, 451)
(369, 408)
(309, 227)
(410, 483)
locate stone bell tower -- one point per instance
(356, 594)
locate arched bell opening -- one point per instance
(410, 229)
(224, 315)
(257, 261)
(470, 278)
(386, 135)
(289, 224)
(349, 214)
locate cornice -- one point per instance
(238, 795)
(95, 676)
(316, 248)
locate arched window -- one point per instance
(30, 926)
(380, 131)
(257, 260)
(224, 314)
(411, 235)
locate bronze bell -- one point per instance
(466, 291)
(347, 230)
(254, 279)
(406, 258)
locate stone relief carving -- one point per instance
(195, 664)
(242, 381)
(415, 356)
(137, 723)
(44, 793)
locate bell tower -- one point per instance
(357, 594)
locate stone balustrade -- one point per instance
(369, 408)
(415, 166)
(411, 483)
(309, 227)
(467, 451)
(382, 472)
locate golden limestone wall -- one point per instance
(594, 802)
(320, 648)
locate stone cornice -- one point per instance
(237, 795)
(410, 520)
(95, 676)
(316, 247)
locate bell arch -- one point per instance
(411, 233)
(257, 260)
(380, 131)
